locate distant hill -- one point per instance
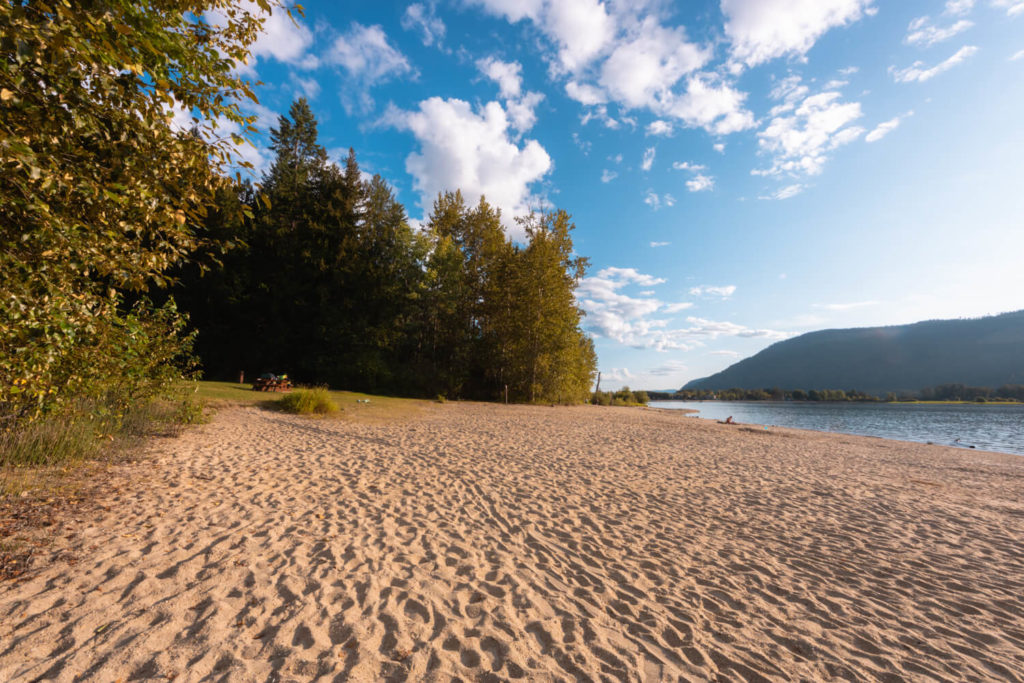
(980, 352)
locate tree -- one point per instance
(88, 207)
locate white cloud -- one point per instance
(648, 160)
(918, 72)
(608, 176)
(785, 192)
(718, 109)
(886, 127)
(659, 127)
(617, 375)
(420, 17)
(364, 52)
(581, 29)
(653, 200)
(471, 150)
(630, 320)
(713, 291)
(700, 183)
(655, 245)
(645, 65)
(520, 107)
(799, 143)
(847, 306)
(310, 87)
(1012, 7)
(508, 75)
(585, 94)
(958, 7)
(761, 30)
(688, 166)
(282, 37)
(719, 147)
(921, 32)
(523, 111)
(728, 354)
(1019, 55)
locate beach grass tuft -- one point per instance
(308, 402)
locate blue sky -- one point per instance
(739, 171)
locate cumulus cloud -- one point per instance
(688, 166)
(633, 321)
(700, 183)
(1012, 7)
(655, 245)
(585, 94)
(886, 127)
(719, 147)
(919, 73)
(799, 142)
(368, 58)
(761, 30)
(659, 127)
(653, 200)
(643, 67)
(718, 108)
(723, 292)
(648, 159)
(580, 29)
(622, 375)
(365, 53)
(608, 176)
(471, 150)
(508, 75)
(610, 53)
(521, 107)
(421, 18)
(958, 7)
(282, 37)
(923, 33)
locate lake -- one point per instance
(986, 427)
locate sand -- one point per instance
(481, 543)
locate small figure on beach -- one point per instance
(728, 420)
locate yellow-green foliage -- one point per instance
(308, 402)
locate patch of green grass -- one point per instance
(308, 402)
(353, 404)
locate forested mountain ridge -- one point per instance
(978, 352)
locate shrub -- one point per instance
(308, 402)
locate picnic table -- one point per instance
(272, 383)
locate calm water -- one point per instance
(991, 428)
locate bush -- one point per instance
(308, 402)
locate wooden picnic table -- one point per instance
(271, 384)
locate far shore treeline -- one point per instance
(1008, 393)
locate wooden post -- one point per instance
(506, 394)
(241, 376)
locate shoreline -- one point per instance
(531, 543)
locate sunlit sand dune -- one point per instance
(482, 543)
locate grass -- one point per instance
(308, 402)
(351, 404)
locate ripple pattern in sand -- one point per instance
(487, 543)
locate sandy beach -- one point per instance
(483, 543)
